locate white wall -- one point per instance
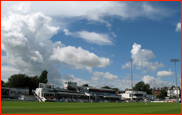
(172, 92)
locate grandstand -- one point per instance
(16, 94)
(73, 93)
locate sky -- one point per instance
(92, 42)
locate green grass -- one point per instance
(25, 107)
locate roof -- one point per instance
(68, 93)
(113, 96)
(72, 93)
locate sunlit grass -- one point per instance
(25, 107)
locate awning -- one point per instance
(66, 93)
(48, 92)
(113, 96)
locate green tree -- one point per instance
(43, 77)
(25, 81)
(106, 87)
(116, 89)
(2, 83)
(164, 92)
(32, 83)
(7, 84)
(141, 86)
(18, 80)
(162, 95)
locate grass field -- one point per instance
(25, 107)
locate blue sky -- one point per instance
(92, 42)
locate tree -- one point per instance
(106, 87)
(2, 83)
(25, 81)
(162, 95)
(18, 80)
(141, 86)
(164, 92)
(7, 84)
(43, 77)
(33, 83)
(116, 89)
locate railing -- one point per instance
(40, 100)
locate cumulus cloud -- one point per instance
(122, 84)
(79, 81)
(141, 59)
(91, 37)
(26, 34)
(164, 73)
(178, 27)
(102, 75)
(7, 71)
(156, 82)
(21, 8)
(101, 79)
(25, 38)
(78, 57)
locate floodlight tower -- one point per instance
(131, 82)
(175, 60)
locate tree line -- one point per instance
(25, 81)
(32, 82)
(141, 86)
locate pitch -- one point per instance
(25, 107)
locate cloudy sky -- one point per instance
(92, 42)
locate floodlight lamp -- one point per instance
(174, 60)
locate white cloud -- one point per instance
(164, 73)
(78, 57)
(66, 32)
(114, 35)
(91, 37)
(68, 77)
(25, 38)
(74, 79)
(101, 75)
(156, 82)
(22, 7)
(38, 57)
(118, 83)
(178, 27)
(93, 10)
(7, 71)
(141, 59)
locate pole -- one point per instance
(176, 81)
(175, 60)
(131, 82)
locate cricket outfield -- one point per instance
(26, 107)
